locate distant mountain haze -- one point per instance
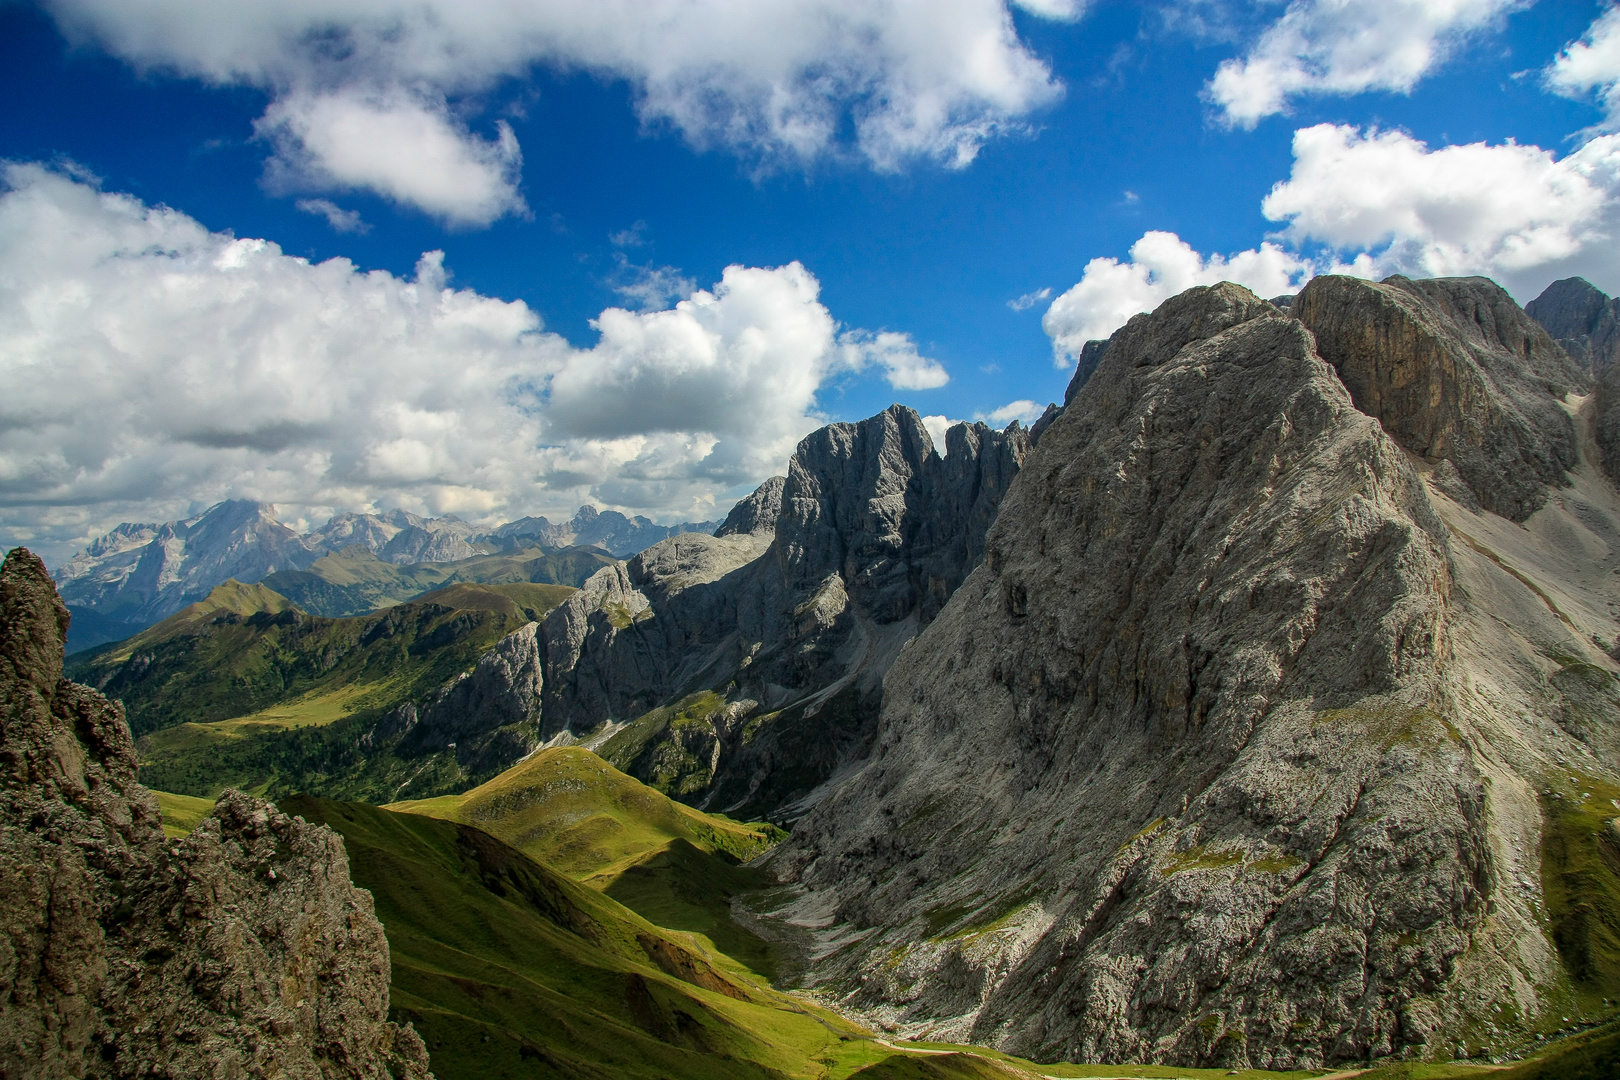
(140, 573)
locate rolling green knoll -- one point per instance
(509, 969)
(356, 582)
(675, 866)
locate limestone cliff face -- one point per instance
(488, 718)
(1586, 322)
(241, 951)
(1456, 372)
(1581, 318)
(1215, 759)
(795, 617)
(758, 512)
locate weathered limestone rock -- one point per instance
(758, 512)
(1212, 761)
(240, 951)
(1582, 319)
(1455, 371)
(490, 715)
(871, 530)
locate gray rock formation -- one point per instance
(242, 950)
(1584, 320)
(761, 652)
(1456, 372)
(758, 512)
(487, 719)
(1229, 751)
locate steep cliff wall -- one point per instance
(766, 646)
(1233, 749)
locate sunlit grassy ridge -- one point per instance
(673, 865)
(224, 658)
(571, 809)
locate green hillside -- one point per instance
(509, 969)
(245, 690)
(671, 864)
(247, 648)
(356, 582)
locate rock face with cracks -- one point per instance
(1214, 759)
(1456, 372)
(765, 645)
(242, 950)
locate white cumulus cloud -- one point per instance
(396, 144)
(151, 366)
(365, 92)
(1592, 64)
(1029, 299)
(1517, 213)
(1161, 265)
(1374, 203)
(341, 220)
(1346, 47)
(1024, 411)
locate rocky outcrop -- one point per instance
(1222, 756)
(488, 718)
(1586, 322)
(1582, 319)
(758, 512)
(777, 638)
(242, 950)
(1455, 371)
(140, 577)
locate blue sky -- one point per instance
(651, 160)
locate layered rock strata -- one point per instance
(1232, 750)
(242, 950)
(1456, 372)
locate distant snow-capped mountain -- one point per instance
(141, 572)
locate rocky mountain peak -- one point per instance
(1581, 318)
(109, 926)
(1206, 762)
(1457, 372)
(758, 512)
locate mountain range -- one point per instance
(1259, 707)
(138, 574)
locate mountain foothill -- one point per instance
(1258, 708)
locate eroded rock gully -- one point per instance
(1228, 752)
(242, 950)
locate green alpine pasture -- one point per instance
(673, 865)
